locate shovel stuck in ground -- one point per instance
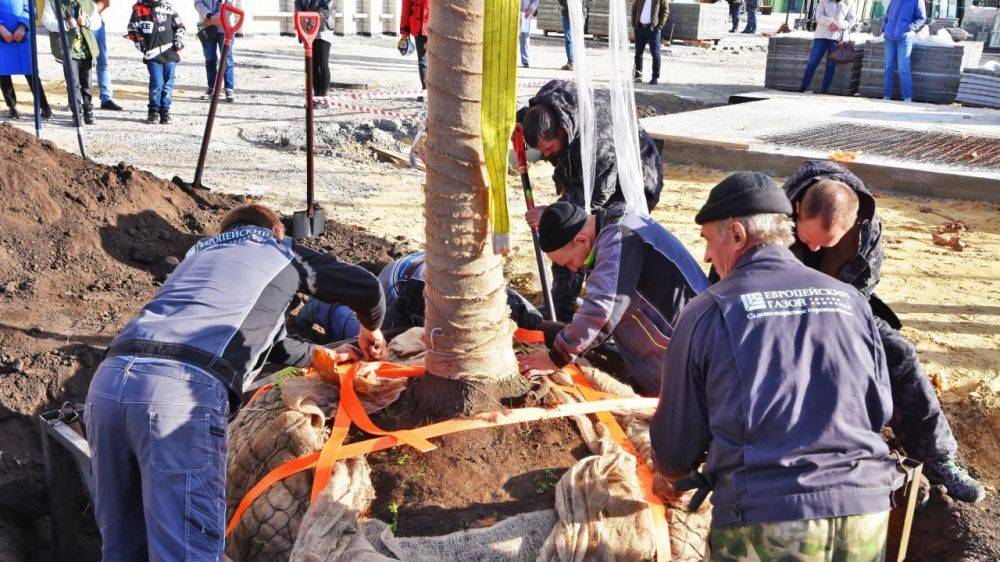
(71, 77)
(517, 138)
(310, 222)
(230, 27)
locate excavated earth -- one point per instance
(85, 246)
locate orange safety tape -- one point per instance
(495, 419)
(656, 506)
(529, 336)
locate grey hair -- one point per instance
(764, 229)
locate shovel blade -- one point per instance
(190, 187)
(304, 227)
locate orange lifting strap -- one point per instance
(351, 411)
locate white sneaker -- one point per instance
(207, 95)
(229, 95)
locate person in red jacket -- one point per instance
(413, 23)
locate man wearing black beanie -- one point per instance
(776, 379)
(639, 278)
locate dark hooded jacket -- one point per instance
(864, 269)
(560, 95)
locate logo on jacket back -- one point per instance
(753, 301)
(793, 302)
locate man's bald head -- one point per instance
(826, 213)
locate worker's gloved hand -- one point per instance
(373, 344)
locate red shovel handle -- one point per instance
(519, 152)
(231, 27)
(307, 27)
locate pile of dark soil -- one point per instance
(474, 478)
(84, 246)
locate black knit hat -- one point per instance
(559, 224)
(743, 194)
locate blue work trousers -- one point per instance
(212, 50)
(157, 435)
(161, 85)
(821, 47)
(897, 57)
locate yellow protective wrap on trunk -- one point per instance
(500, 29)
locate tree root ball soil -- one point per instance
(84, 247)
(474, 478)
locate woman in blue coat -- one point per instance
(15, 53)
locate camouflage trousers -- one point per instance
(854, 538)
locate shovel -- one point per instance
(230, 29)
(71, 84)
(312, 221)
(522, 168)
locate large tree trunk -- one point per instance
(470, 364)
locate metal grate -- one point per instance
(967, 152)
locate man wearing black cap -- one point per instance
(776, 379)
(639, 277)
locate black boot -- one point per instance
(152, 116)
(165, 117)
(46, 113)
(88, 116)
(13, 114)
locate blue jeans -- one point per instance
(568, 37)
(897, 56)
(734, 14)
(161, 85)
(212, 51)
(157, 435)
(751, 17)
(524, 40)
(820, 48)
(103, 75)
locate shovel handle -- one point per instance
(307, 27)
(231, 27)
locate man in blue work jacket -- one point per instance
(639, 278)
(157, 406)
(776, 379)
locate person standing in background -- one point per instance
(648, 19)
(528, 9)
(413, 23)
(903, 18)
(103, 74)
(79, 20)
(567, 35)
(321, 48)
(751, 16)
(212, 37)
(734, 13)
(15, 54)
(831, 16)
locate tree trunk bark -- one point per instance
(470, 359)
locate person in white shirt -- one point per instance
(648, 19)
(528, 9)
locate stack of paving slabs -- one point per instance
(550, 15)
(787, 56)
(697, 22)
(942, 23)
(980, 22)
(600, 15)
(980, 87)
(936, 69)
